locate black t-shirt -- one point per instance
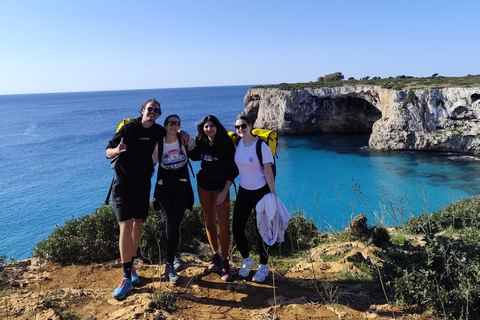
(135, 165)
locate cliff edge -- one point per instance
(444, 120)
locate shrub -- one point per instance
(91, 238)
(301, 233)
(410, 99)
(94, 238)
(153, 240)
(463, 214)
(153, 235)
(401, 82)
(337, 76)
(442, 277)
(193, 230)
(164, 301)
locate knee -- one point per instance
(137, 225)
(126, 226)
(209, 219)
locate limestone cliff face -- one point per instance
(340, 109)
(430, 119)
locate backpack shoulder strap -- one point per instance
(259, 150)
(185, 145)
(260, 157)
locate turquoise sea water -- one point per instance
(53, 165)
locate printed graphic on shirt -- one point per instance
(173, 158)
(209, 158)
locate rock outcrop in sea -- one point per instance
(446, 120)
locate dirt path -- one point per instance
(85, 292)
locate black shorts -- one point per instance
(131, 200)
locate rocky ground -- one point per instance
(35, 290)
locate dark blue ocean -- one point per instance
(53, 165)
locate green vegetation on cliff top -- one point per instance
(400, 82)
(440, 277)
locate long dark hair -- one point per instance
(221, 135)
(179, 137)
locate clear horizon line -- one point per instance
(110, 90)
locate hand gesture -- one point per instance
(122, 147)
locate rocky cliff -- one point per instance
(419, 119)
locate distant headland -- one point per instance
(402, 113)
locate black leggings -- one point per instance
(174, 198)
(244, 204)
(173, 220)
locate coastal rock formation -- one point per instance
(420, 119)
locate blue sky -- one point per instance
(65, 46)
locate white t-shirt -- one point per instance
(252, 175)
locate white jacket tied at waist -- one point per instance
(272, 219)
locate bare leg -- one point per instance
(136, 233)
(125, 242)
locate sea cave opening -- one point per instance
(346, 114)
(359, 114)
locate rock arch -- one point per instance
(313, 111)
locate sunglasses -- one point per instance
(243, 126)
(156, 110)
(173, 123)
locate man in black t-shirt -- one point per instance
(133, 144)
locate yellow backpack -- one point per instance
(267, 136)
(124, 122)
(114, 160)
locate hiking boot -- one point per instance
(170, 273)
(247, 264)
(216, 262)
(261, 273)
(226, 274)
(135, 277)
(177, 263)
(124, 287)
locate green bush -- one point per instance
(193, 230)
(153, 236)
(463, 214)
(442, 277)
(153, 240)
(410, 99)
(91, 238)
(397, 83)
(337, 76)
(94, 238)
(301, 233)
